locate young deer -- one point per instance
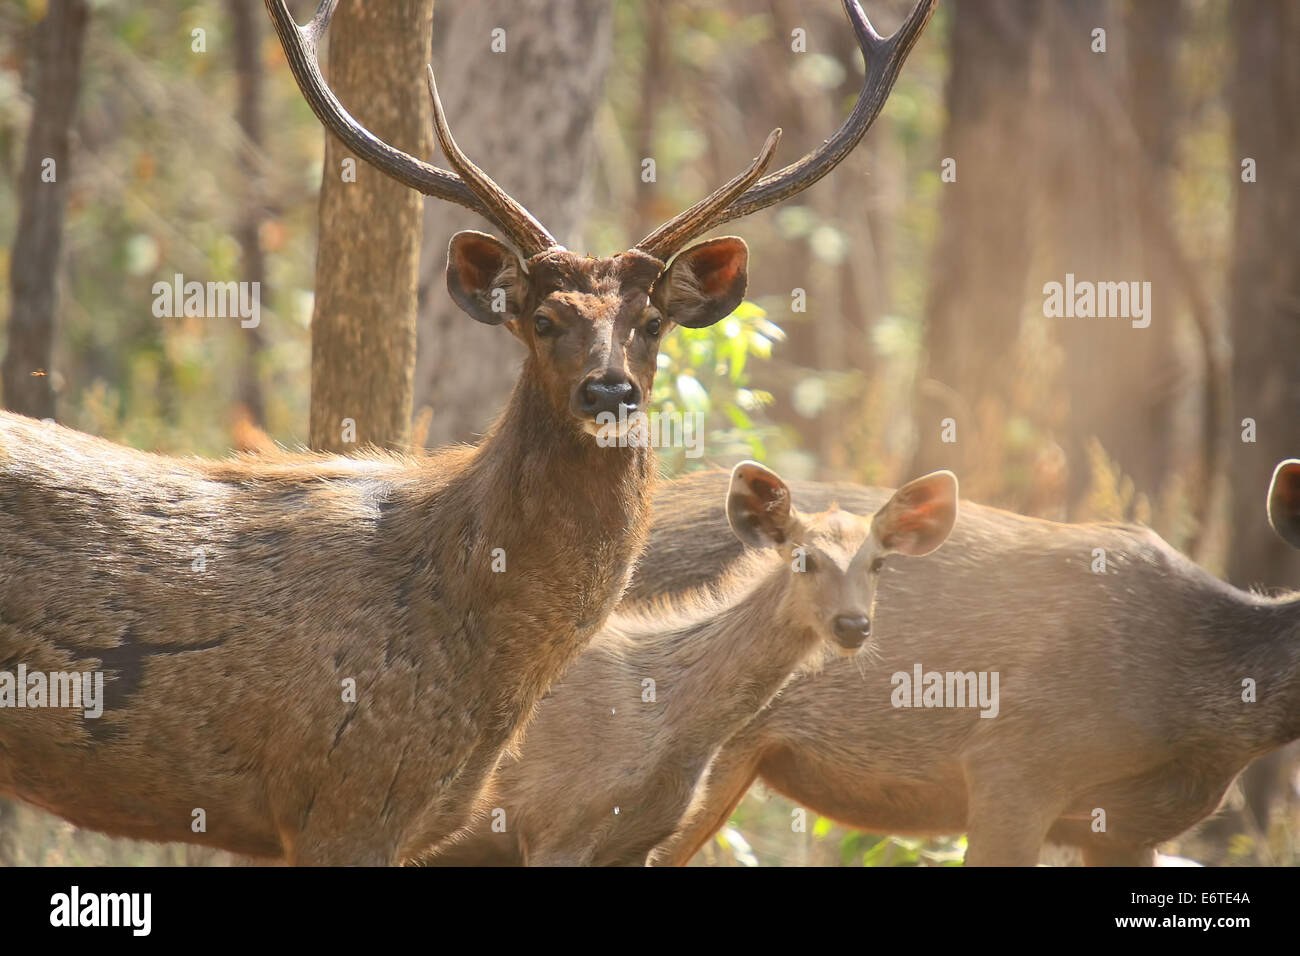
(637, 718)
(322, 658)
(1138, 688)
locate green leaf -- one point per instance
(692, 394)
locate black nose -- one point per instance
(606, 394)
(852, 629)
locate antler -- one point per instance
(472, 189)
(884, 57)
(710, 210)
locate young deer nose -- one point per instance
(606, 394)
(852, 629)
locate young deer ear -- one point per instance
(919, 516)
(758, 506)
(484, 277)
(705, 283)
(1284, 502)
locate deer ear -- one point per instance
(1284, 502)
(705, 283)
(484, 277)
(758, 506)
(919, 516)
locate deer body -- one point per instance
(228, 602)
(606, 775)
(1120, 691)
(225, 685)
(632, 727)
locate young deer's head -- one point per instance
(836, 556)
(592, 326)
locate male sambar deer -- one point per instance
(1123, 691)
(635, 721)
(321, 658)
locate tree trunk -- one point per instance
(981, 262)
(246, 16)
(367, 262)
(1122, 382)
(1265, 292)
(1265, 281)
(527, 117)
(1183, 458)
(33, 270)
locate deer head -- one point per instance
(837, 556)
(592, 326)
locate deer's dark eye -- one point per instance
(876, 565)
(543, 325)
(653, 327)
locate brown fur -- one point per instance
(1120, 691)
(223, 685)
(605, 774)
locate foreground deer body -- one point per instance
(1119, 691)
(714, 659)
(322, 658)
(225, 686)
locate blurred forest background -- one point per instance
(924, 297)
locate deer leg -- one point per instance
(1010, 814)
(334, 836)
(345, 851)
(557, 859)
(728, 780)
(1106, 853)
(556, 852)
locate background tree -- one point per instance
(527, 114)
(246, 20)
(1265, 279)
(1120, 382)
(977, 289)
(1265, 296)
(367, 262)
(33, 269)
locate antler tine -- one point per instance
(301, 47)
(524, 230)
(884, 57)
(705, 214)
